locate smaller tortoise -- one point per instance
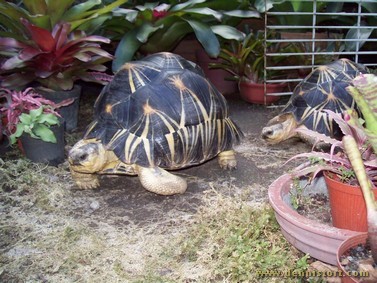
(323, 89)
(157, 113)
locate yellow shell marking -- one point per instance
(108, 108)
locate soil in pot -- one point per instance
(310, 236)
(315, 207)
(354, 257)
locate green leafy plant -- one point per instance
(36, 124)
(245, 59)
(159, 26)
(53, 59)
(81, 15)
(28, 112)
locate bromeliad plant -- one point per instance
(159, 26)
(336, 160)
(54, 60)
(28, 112)
(87, 15)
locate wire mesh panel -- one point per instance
(301, 35)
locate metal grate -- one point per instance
(314, 35)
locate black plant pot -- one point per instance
(40, 151)
(70, 112)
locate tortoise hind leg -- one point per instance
(227, 159)
(159, 181)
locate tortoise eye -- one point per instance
(83, 157)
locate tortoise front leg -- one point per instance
(85, 181)
(227, 160)
(159, 181)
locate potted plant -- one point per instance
(53, 61)
(245, 61)
(88, 15)
(33, 120)
(160, 26)
(336, 164)
(365, 95)
(348, 210)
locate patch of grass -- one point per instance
(232, 241)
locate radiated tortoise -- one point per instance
(324, 88)
(157, 113)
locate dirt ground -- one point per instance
(121, 225)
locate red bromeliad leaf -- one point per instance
(42, 37)
(79, 41)
(323, 156)
(60, 33)
(28, 53)
(6, 43)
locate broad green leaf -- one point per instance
(35, 113)
(145, 31)
(129, 14)
(36, 6)
(126, 49)
(263, 6)
(242, 14)
(56, 10)
(360, 36)
(19, 131)
(43, 21)
(166, 38)
(80, 16)
(26, 119)
(44, 133)
(206, 37)
(48, 119)
(186, 4)
(75, 12)
(228, 32)
(205, 11)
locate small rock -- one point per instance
(94, 205)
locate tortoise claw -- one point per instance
(227, 160)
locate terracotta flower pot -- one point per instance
(347, 204)
(343, 248)
(216, 76)
(319, 240)
(255, 93)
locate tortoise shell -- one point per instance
(324, 88)
(162, 111)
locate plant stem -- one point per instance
(354, 156)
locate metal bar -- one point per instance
(318, 27)
(322, 53)
(317, 40)
(323, 14)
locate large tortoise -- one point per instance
(157, 113)
(323, 89)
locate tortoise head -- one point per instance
(87, 156)
(280, 128)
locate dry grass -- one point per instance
(47, 236)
